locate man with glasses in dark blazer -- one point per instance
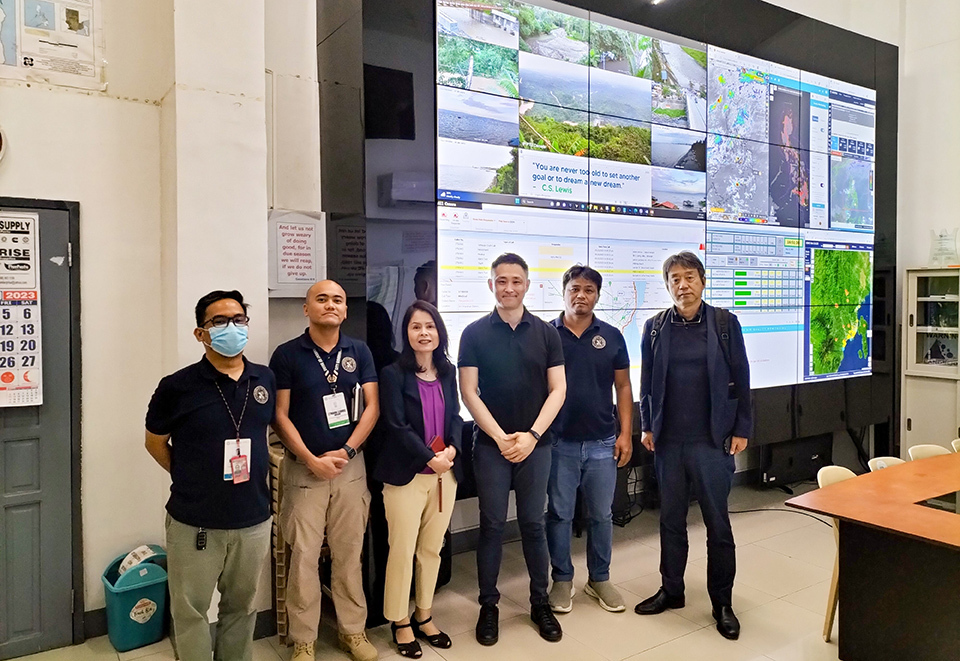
(695, 411)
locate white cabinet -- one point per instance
(931, 371)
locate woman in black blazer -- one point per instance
(418, 403)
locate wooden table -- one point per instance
(899, 561)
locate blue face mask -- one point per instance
(228, 341)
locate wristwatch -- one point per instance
(351, 453)
(535, 435)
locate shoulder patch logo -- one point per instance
(598, 342)
(261, 395)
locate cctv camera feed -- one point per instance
(572, 138)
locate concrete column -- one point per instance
(213, 165)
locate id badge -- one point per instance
(231, 450)
(241, 471)
(335, 406)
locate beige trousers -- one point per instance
(416, 527)
(311, 506)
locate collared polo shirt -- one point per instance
(512, 367)
(188, 406)
(298, 371)
(590, 361)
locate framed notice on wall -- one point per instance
(21, 374)
(298, 251)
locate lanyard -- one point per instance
(235, 422)
(331, 378)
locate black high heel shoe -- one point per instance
(407, 650)
(440, 640)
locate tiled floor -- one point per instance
(784, 564)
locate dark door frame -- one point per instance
(76, 532)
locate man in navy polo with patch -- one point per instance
(207, 426)
(587, 448)
(322, 376)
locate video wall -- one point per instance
(570, 137)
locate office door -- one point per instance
(38, 463)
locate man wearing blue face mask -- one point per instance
(207, 426)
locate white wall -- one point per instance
(103, 151)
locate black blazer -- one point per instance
(403, 452)
(731, 408)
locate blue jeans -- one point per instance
(590, 466)
(495, 477)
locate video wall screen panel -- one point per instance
(570, 137)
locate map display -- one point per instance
(738, 174)
(839, 312)
(851, 193)
(569, 137)
(737, 95)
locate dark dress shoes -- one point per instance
(659, 603)
(488, 625)
(727, 623)
(542, 615)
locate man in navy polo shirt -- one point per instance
(511, 381)
(207, 426)
(320, 375)
(586, 448)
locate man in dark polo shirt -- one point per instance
(511, 380)
(320, 376)
(695, 412)
(207, 426)
(587, 449)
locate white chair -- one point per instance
(825, 477)
(955, 444)
(926, 450)
(877, 463)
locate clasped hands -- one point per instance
(517, 446)
(443, 460)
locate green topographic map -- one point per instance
(841, 281)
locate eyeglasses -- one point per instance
(221, 322)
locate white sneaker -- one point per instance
(606, 594)
(302, 652)
(561, 596)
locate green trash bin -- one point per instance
(136, 601)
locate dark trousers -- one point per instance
(495, 477)
(694, 467)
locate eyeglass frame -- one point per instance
(237, 319)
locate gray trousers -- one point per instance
(232, 563)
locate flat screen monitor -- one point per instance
(569, 137)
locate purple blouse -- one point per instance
(431, 398)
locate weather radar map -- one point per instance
(737, 97)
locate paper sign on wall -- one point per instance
(21, 382)
(53, 41)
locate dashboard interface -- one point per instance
(569, 137)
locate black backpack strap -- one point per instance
(723, 331)
(658, 322)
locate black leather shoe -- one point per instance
(727, 623)
(542, 615)
(488, 625)
(659, 603)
